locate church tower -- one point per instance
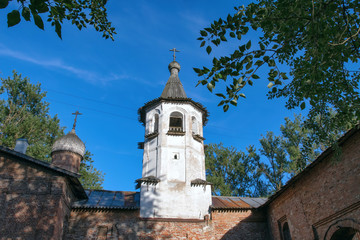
(173, 181)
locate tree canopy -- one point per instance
(233, 172)
(318, 41)
(79, 12)
(24, 113)
(259, 172)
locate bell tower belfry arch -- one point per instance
(173, 183)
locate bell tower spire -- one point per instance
(174, 87)
(173, 183)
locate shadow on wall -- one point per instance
(253, 227)
(28, 200)
(111, 224)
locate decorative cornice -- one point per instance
(200, 182)
(151, 180)
(198, 138)
(142, 110)
(152, 135)
(175, 133)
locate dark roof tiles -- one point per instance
(101, 199)
(174, 87)
(232, 203)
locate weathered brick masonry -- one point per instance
(323, 198)
(126, 224)
(35, 199)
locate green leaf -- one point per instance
(262, 46)
(223, 38)
(242, 48)
(203, 33)
(232, 34)
(250, 82)
(242, 95)
(271, 63)
(38, 21)
(210, 86)
(3, 3)
(221, 103)
(58, 28)
(197, 70)
(239, 35)
(220, 95)
(302, 106)
(202, 44)
(258, 62)
(248, 45)
(13, 18)
(208, 49)
(283, 75)
(233, 102)
(26, 13)
(270, 84)
(248, 66)
(42, 7)
(254, 76)
(225, 108)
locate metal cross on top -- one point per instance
(76, 114)
(174, 50)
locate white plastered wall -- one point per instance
(174, 197)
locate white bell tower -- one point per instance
(173, 183)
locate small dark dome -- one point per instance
(174, 64)
(70, 142)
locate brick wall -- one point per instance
(33, 201)
(324, 198)
(126, 224)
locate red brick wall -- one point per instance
(66, 160)
(122, 224)
(33, 201)
(325, 197)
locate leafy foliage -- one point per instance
(317, 40)
(236, 173)
(277, 164)
(24, 113)
(91, 178)
(232, 172)
(80, 12)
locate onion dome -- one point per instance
(70, 142)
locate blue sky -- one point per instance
(108, 81)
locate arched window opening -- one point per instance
(176, 122)
(286, 231)
(194, 123)
(156, 123)
(345, 233)
(149, 127)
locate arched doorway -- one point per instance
(346, 233)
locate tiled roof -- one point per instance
(234, 203)
(174, 88)
(101, 199)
